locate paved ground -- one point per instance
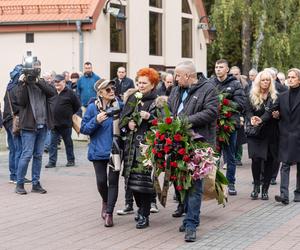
(68, 217)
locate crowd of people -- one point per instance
(266, 117)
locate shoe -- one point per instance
(179, 211)
(20, 189)
(190, 235)
(225, 166)
(238, 163)
(231, 189)
(297, 199)
(182, 229)
(284, 201)
(108, 220)
(273, 181)
(50, 165)
(264, 192)
(37, 188)
(70, 164)
(175, 197)
(46, 150)
(296, 196)
(137, 217)
(12, 182)
(103, 210)
(154, 208)
(127, 210)
(27, 181)
(255, 192)
(143, 222)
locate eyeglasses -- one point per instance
(110, 89)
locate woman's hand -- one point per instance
(275, 114)
(145, 115)
(101, 117)
(255, 120)
(131, 125)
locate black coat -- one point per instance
(258, 147)
(122, 87)
(289, 129)
(200, 108)
(7, 112)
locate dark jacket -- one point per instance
(200, 108)
(162, 90)
(235, 92)
(101, 134)
(289, 129)
(63, 106)
(137, 180)
(7, 112)
(122, 87)
(85, 88)
(258, 147)
(27, 120)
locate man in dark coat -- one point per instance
(198, 102)
(226, 83)
(63, 106)
(289, 147)
(123, 83)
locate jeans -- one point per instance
(15, 150)
(32, 147)
(229, 155)
(66, 134)
(192, 205)
(108, 185)
(48, 140)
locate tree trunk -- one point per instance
(246, 40)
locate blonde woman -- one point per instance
(262, 147)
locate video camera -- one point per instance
(31, 68)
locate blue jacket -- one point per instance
(101, 134)
(85, 88)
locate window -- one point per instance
(155, 3)
(117, 32)
(114, 68)
(185, 7)
(155, 34)
(29, 37)
(187, 37)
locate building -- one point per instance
(65, 33)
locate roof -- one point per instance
(44, 12)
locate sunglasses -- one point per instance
(110, 89)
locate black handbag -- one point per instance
(252, 131)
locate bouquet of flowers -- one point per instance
(172, 149)
(225, 124)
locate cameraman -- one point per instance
(63, 106)
(33, 95)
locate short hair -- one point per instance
(235, 67)
(253, 71)
(296, 71)
(151, 73)
(222, 61)
(188, 66)
(65, 72)
(74, 75)
(88, 63)
(121, 67)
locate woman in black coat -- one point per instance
(135, 121)
(262, 101)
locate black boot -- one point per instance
(143, 222)
(179, 211)
(264, 192)
(20, 189)
(255, 192)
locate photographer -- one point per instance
(33, 95)
(101, 123)
(63, 106)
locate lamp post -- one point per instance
(205, 24)
(116, 12)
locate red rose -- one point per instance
(154, 122)
(218, 148)
(183, 178)
(157, 134)
(155, 142)
(154, 151)
(228, 114)
(178, 137)
(165, 164)
(162, 137)
(159, 155)
(167, 149)
(160, 166)
(179, 188)
(173, 178)
(221, 139)
(226, 102)
(168, 120)
(173, 164)
(226, 128)
(168, 141)
(186, 158)
(181, 151)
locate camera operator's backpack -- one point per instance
(14, 76)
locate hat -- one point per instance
(59, 78)
(103, 83)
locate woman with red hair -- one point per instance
(138, 112)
